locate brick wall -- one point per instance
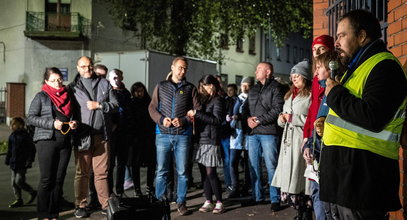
(320, 19)
(397, 29)
(397, 43)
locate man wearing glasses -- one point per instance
(95, 102)
(171, 100)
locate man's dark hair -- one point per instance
(363, 20)
(233, 85)
(100, 66)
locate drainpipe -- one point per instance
(4, 51)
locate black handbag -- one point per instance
(145, 207)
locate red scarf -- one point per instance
(60, 98)
(295, 92)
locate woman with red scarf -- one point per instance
(289, 175)
(51, 113)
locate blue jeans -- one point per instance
(234, 167)
(177, 146)
(318, 204)
(266, 146)
(225, 142)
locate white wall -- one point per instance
(243, 64)
(26, 59)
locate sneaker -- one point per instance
(206, 207)
(128, 184)
(219, 208)
(182, 209)
(32, 197)
(275, 206)
(229, 189)
(17, 203)
(80, 213)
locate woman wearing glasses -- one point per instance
(51, 113)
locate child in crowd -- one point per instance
(20, 155)
(312, 147)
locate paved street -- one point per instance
(195, 199)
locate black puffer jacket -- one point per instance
(41, 116)
(266, 103)
(209, 121)
(174, 101)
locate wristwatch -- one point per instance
(100, 106)
(257, 121)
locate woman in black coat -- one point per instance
(143, 149)
(209, 120)
(51, 112)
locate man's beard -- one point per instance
(343, 57)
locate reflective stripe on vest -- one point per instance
(382, 135)
(342, 133)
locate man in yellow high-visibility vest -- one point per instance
(359, 171)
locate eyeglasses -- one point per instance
(56, 80)
(86, 67)
(182, 68)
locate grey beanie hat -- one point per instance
(248, 80)
(303, 68)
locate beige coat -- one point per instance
(289, 175)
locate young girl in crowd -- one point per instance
(313, 147)
(289, 175)
(20, 155)
(209, 120)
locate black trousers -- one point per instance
(53, 159)
(344, 213)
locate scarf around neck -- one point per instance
(60, 98)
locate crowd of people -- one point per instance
(329, 142)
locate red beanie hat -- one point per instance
(325, 40)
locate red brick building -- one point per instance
(392, 15)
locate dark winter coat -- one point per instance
(209, 120)
(266, 103)
(142, 132)
(355, 178)
(93, 121)
(21, 150)
(42, 117)
(174, 101)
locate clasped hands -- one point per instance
(176, 122)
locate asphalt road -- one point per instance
(234, 209)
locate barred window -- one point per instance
(337, 8)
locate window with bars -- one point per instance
(337, 8)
